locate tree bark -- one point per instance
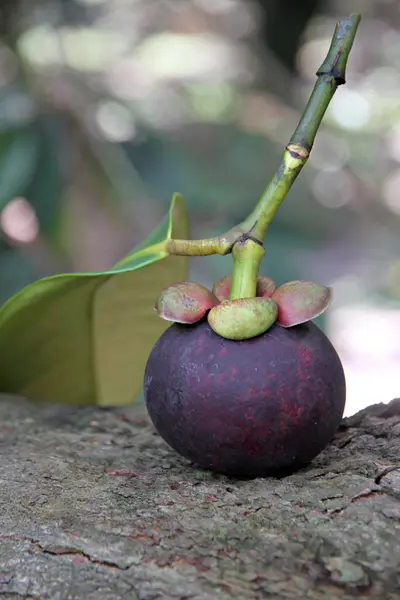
(95, 506)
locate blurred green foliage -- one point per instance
(107, 108)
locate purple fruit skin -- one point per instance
(264, 406)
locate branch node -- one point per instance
(298, 151)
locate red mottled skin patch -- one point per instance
(294, 412)
(251, 447)
(305, 360)
(249, 414)
(264, 406)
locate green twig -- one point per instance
(247, 256)
(246, 240)
(222, 244)
(330, 75)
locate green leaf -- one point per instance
(84, 338)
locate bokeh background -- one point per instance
(109, 106)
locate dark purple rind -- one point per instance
(264, 406)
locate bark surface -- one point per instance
(94, 506)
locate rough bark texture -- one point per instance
(94, 506)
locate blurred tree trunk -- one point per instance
(281, 32)
(284, 25)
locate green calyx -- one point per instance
(290, 304)
(184, 302)
(301, 301)
(243, 318)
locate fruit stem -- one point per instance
(330, 75)
(247, 256)
(257, 223)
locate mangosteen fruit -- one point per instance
(244, 382)
(258, 407)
